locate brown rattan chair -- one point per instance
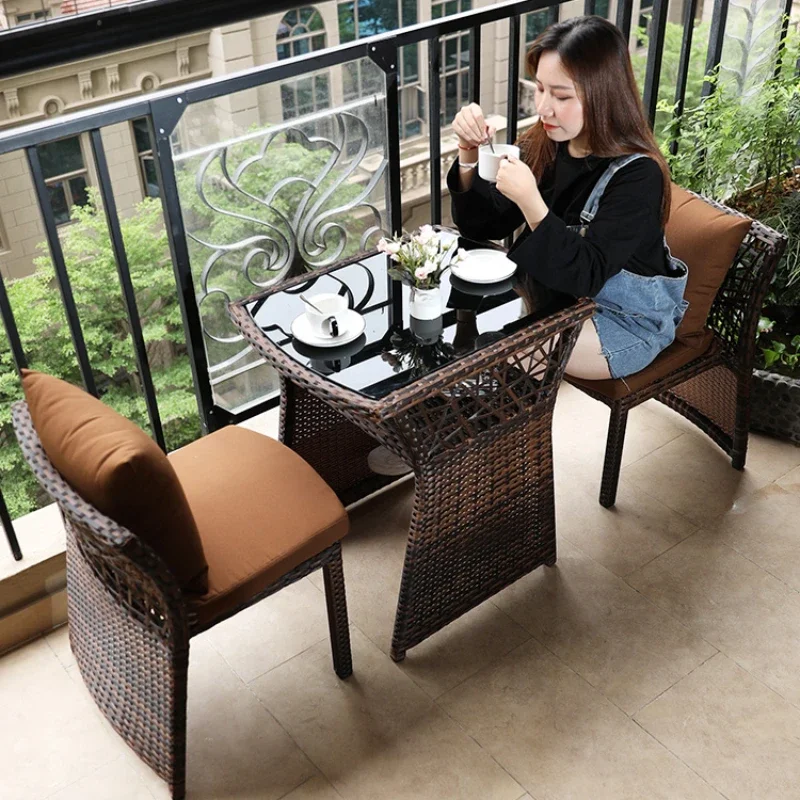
(129, 621)
(707, 381)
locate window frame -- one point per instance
(31, 16)
(291, 88)
(66, 177)
(141, 157)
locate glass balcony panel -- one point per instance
(264, 199)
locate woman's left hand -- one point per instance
(516, 181)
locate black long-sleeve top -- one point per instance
(626, 233)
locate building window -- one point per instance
(302, 31)
(360, 18)
(454, 60)
(602, 7)
(65, 175)
(144, 153)
(33, 16)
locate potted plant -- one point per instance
(419, 260)
(743, 151)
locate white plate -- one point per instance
(484, 266)
(353, 328)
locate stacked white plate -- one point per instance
(484, 266)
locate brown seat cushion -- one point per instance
(261, 511)
(116, 467)
(675, 356)
(706, 239)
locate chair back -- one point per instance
(737, 306)
(127, 568)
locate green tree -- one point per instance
(93, 275)
(673, 39)
(46, 339)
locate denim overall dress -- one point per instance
(636, 315)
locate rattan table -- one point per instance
(470, 411)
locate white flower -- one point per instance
(462, 254)
(420, 273)
(429, 266)
(426, 234)
(385, 246)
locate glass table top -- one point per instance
(395, 349)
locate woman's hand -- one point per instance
(471, 128)
(516, 182)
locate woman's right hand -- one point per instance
(470, 126)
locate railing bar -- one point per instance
(785, 17)
(10, 325)
(8, 528)
(512, 102)
(475, 64)
(181, 265)
(57, 254)
(391, 84)
(624, 16)
(282, 70)
(210, 88)
(689, 11)
(435, 126)
(588, 7)
(655, 54)
(719, 19)
(128, 293)
(369, 101)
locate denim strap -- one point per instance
(593, 203)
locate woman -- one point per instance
(593, 191)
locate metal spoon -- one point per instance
(309, 303)
(489, 142)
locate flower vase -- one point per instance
(426, 303)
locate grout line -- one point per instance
(662, 553)
(292, 740)
(679, 759)
(676, 682)
(308, 780)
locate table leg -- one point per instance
(484, 516)
(334, 446)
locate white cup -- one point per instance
(489, 162)
(329, 320)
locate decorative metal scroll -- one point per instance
(299, 224)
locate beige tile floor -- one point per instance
(659, 659)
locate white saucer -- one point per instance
(484, 266)
(353, 328)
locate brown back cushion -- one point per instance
(706, 239)
(120, 470)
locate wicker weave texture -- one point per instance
(476, 433)
(713, 391)
(129, 624)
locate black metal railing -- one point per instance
(165, 110)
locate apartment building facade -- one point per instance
(67, 164)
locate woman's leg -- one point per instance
(587, 360)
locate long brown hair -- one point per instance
(595, 55)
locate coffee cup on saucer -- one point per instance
(326, 314)
(489, 158)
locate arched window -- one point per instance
(302, 31)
